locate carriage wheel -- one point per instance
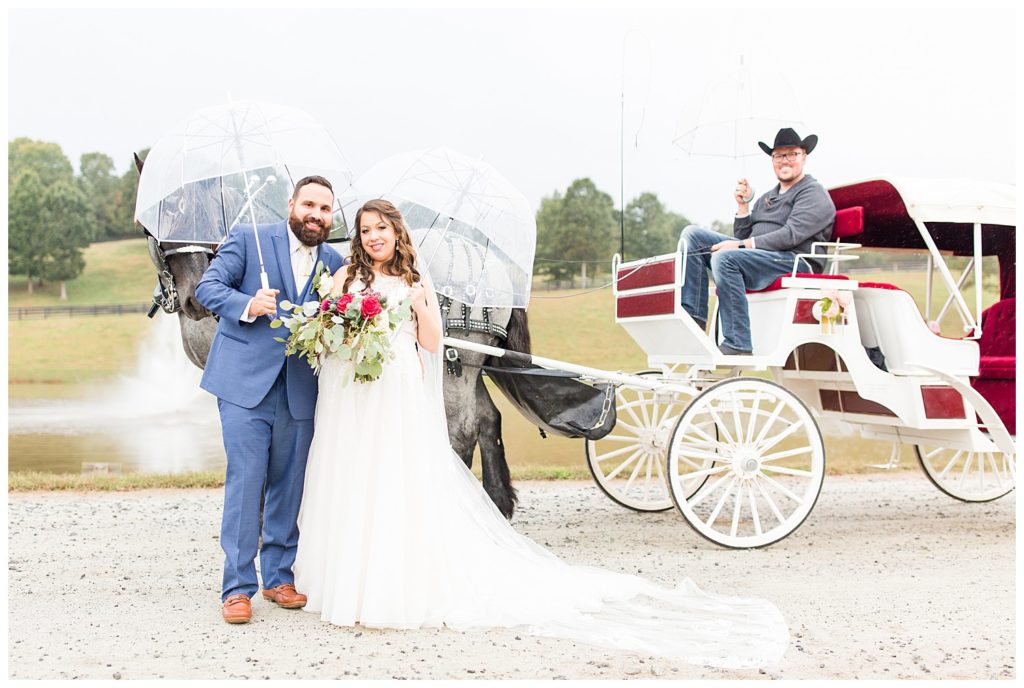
(628, 463)
(970, 476)
(761, 468)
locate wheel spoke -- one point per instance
(770, 422)
(619, 438)
(721, 502)
(995, 470)
(786, 454)
(753, 511)
(613, 454)
(705, 471)
(782, 488)
(636, 429)
(721, 425)
(625, 463)
(632, 476)
(789, 471)
(755, 408)
(709, 456)
(736, 417)
(661, 474)
(768, 444)
(967, 467)
(771, 502)
(632, 414)
(704, 441)
(693, 464)
(736, 510)
(949, 465)
(707, 490)
(643, 410)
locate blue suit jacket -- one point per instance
(244, 358)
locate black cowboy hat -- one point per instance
(788, 137)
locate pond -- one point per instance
(153, 420)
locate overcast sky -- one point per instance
(537, 92)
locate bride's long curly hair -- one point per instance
(402, 264)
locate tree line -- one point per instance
(55, 211)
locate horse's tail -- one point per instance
(518, 329)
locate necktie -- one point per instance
(305, 265)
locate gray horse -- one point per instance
(473, 419)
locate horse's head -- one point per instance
(179, 266)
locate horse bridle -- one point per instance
(165, 295)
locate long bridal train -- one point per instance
(395, 532)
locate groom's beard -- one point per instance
(310, 236)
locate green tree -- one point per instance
(101, 189)
(24, 217)
(575, 228)
(48, 217)
(651, 230)
(125, 199)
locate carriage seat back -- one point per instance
(849, 222)
(889, 319)
(997, 371)
(647, 306)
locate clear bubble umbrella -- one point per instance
(230, 164)
(737, 109)
(475, 231)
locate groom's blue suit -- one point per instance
(266, 403)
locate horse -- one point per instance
(473, 418)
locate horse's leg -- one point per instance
(497, 481)
(460, 409)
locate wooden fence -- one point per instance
(46, 312)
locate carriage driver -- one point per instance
(785, 221)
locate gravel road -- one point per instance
(888, 578)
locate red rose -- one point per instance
(343, 302)
(370, 307)
(325, 305)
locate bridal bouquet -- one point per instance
(355, 327)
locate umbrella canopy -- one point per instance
(738, 109)
(232, 163)
(475, 231)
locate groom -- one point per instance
(266, 400)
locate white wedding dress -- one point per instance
(395, 532)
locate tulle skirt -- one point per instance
(396, 532)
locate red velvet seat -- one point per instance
(997, 379)
(777, 284)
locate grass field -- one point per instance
(564, 326)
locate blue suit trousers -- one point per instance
(266, 450)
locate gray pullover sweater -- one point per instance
(789, 221)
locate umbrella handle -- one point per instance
(263, 279)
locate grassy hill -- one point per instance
(115, 272)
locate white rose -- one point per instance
(326, 286)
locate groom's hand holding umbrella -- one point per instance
(263, 303)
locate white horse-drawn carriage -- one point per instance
(733, 442)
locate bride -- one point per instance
(395, 532)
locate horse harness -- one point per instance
(165, 295)
(466, 324)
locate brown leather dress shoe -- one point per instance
(237, 609)
(285, 596)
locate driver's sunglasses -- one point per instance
(779, 157)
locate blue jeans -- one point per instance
(735, 272)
